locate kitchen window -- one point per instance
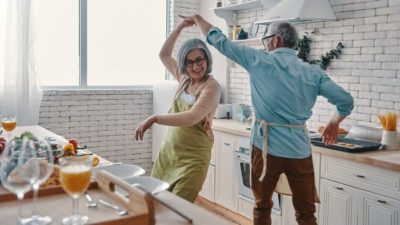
(99, 42)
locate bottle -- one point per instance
(230, 32)
(233, 33)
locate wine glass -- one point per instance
(41, 152)
(75, 174)
(16, 173)
(9, 122)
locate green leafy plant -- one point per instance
(303, 47)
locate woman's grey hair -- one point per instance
(287, 32)
(188, 46)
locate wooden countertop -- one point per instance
(380, 158)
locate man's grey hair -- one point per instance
(286, 31)
(188, 46)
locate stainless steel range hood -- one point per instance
(300, 11)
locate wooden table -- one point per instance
(59, 205)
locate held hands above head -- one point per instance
(186, 22)
(143, 126)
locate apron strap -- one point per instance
(263, 132)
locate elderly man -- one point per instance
(283, 90)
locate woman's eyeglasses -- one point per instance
(265, 39)
(199, 61)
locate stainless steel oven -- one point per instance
(242, 167)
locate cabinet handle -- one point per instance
(382, 201)
(227, 144)
(359, 175)
(338, 188)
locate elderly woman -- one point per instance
(186, 149)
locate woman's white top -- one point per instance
(188, 99)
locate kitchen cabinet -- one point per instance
(377, 210)
(226, 191)
(339, 204)
(207, 190)
(288, 211)
(246, 206)
(358, 194)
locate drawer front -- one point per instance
(362, 176)
(246, 207)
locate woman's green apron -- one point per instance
(184, 155)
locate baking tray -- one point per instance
(348, 145)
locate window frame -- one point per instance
(83, 11)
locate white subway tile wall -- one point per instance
(104, 120)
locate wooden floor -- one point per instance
(223, 212)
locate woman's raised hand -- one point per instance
(143, 126)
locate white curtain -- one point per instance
(20, 92)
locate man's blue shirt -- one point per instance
(283, 90)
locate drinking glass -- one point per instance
(16, 174)
(41, 152)
(75, 174)
(9, 122)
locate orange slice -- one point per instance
(95, 160)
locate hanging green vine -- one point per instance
(303, 47)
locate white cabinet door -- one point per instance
(338, 204)
(226, 192)
(207, 191)
(377, 210)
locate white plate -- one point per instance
(150, 184)
(120, 170)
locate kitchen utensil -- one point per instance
(348, 145)
(89, 199)
(120, 211)
(389, 140)
(365, 133)
(223, 111)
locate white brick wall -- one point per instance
(369, 67)
(104, 120)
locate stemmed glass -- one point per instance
(9, 122)
(75, 174)
(16, 174)
(41, 152)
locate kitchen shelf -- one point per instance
(228, 12)
(247, 40)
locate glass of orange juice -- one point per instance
(75, 174)
(9, 122)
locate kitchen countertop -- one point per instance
(387, 159)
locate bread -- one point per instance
(54, 179)
(341, 130)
